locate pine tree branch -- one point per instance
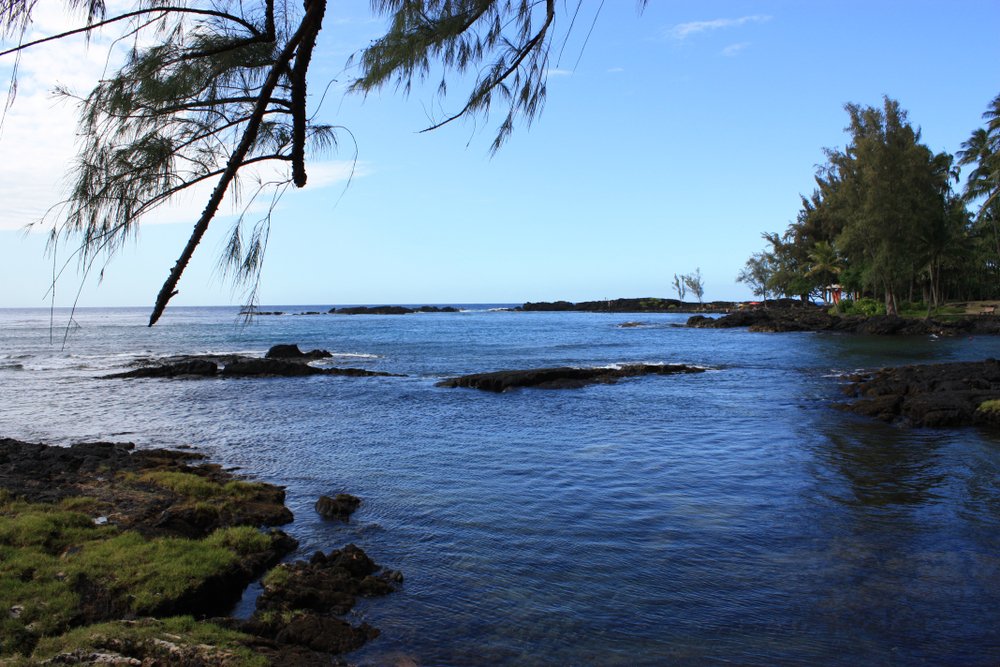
(168, 291)
(128, 15)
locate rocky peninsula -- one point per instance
(111, 555)
(807, 317)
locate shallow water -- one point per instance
(726, 517)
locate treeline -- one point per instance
(886, 221)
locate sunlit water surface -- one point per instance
(732, 516)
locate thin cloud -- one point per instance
(735, 49)
(682, 31)
(615, 70)
(555, 71)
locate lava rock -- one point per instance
(289, 351)
(189, 367)
(562, 377)
(340, 506)
(930, 395)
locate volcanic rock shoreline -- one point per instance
(929, 395)
(812, 318)
(112, 555)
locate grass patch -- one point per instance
(277, 577)
(150, 572)
(46, 552)
(198, 487)
(184, 484)
(991, 406)
(244, 540)
(44, 527)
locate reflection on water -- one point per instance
(729, 517)
(886, 467)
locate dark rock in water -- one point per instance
(563, 377)
(326, 634)
(437, 309)
(299, 605)
(250, 367)
(631, 325)
(340, 506)
(281, 361)
(288, 351)
(391, 310)
(269, 367)
(372, 310)
(799, 318)
(191, 367)
(932, 395)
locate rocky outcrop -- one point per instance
(565, 377)
(186, 368)
(302, 600)
(280, 361)
(390, 310)
(149, 499)
(811, 318)
(932, 395)
(643, 305)
(74, 514)
(340, 506)
(291, 351)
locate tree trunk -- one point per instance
(890, 301)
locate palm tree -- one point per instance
(825, 264)
(983, 150)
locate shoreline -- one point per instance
(815, 319)
(142, 554)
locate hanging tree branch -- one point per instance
(306, 27)
(222, 84)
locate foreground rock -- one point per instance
(301, 601)
(109, 554)
(283, 360)
(563, 377)
(933, 395)
(812, 318)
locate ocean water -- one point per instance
(728, 517)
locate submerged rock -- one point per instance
(932, 395)
(565, 377)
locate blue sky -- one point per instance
(668, 144)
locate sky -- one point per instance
(670, 140)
